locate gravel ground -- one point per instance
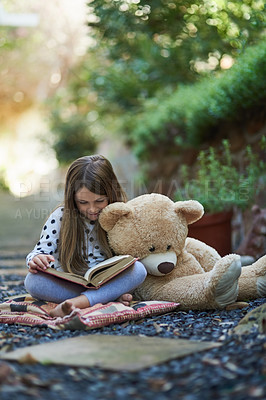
(236, 370)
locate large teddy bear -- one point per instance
(154, 228)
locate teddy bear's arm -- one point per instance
(206, 255)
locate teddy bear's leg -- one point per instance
(210, 290)
(252, 282)
(189, 291)
(224, 279)
(206, 255)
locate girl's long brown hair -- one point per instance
(96, 174)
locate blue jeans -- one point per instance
(50, 288)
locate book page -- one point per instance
(107, 269)
(104, 264)
(104, 275)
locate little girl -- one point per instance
(73, 241)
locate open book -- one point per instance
(99, 274)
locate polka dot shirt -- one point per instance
(48, 243)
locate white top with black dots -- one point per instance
(48, 243)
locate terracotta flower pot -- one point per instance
(214, 230)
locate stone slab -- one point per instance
(13, 263)
(14, 271)
(255, 319)
(110, 352)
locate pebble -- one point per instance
(233, 371)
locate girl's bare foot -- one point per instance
(125, 299)
(63, 309)
(67, 306)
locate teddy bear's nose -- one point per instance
(166, 267)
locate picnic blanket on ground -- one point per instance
(25, 310)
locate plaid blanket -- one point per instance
(25, 310)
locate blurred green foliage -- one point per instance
(153, 46)
(192, 113)
(71, 113)
(73, 138)
(219, 185)
(154, 72)
(3, 185)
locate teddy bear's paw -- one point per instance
(227, 288)
(261, 286)
(260, 273)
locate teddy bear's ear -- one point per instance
(112, 213)
(191, 209)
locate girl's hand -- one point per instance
(40, 262)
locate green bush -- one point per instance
(219, 185)
(192, 112)
(3, 184)
(72, 137)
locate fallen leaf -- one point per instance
(237, 305)
(157, 327)
(27, 359)
(32, 380)
(7, 348)
(176, 332)
(160, 385)
(5, 371)
(256, 391)
(211, 361)
(231, 367)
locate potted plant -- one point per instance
(220, 187)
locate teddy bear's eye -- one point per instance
(151, 249)
(168, 247)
